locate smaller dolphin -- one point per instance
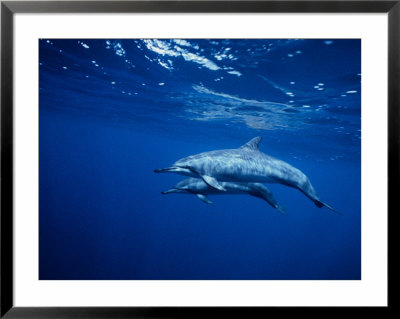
(198, 187)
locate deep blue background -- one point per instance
(111, 111)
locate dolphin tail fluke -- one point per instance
(281, 209)
(322, 204)
(264, 193)
(270, 200)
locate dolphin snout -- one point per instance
(172, 169)
(163, 170)
(173, 190)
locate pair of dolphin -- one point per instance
(239, 170)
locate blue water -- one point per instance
(111, 111)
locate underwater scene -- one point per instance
(199, 159)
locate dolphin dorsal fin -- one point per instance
(253, 144)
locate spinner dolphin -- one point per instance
(246, 164)
(198, 187)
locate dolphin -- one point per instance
(198, 187)
(246, 164)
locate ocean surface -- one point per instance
(111, 111)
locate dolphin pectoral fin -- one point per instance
(212, 182)
(204, 198)
(322, 204)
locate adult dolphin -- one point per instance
(244, 164)
(198, 187)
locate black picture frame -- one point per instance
(9, 8)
